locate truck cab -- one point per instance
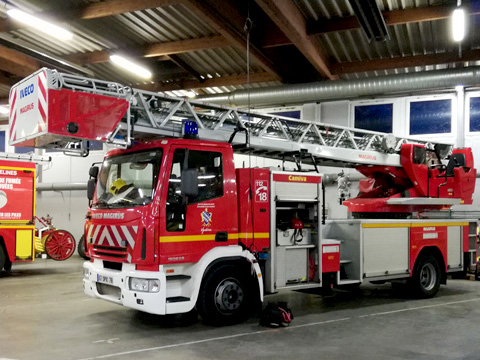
(162, 212)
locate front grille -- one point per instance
(110, 251)
(109, 290)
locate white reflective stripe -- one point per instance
(128, 236)
(13, 114)
(105, 235)
(43, 101)
(129, 258)
(95, 234)
(118, 237)
(327, 249)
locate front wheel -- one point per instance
(81, 248)
(224, 297)
(425, 281)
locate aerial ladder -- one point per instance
(267, 222)
(70, 111)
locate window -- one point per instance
(208, 166)
(475, 114)
(296, 114)
(376, 117)
(128, 180)
(24, 150)
(430, 117)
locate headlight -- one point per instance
(144, 285)
(86, 273)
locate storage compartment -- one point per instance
(330, 255)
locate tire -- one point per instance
(425, 281)
(81, 248)
(225, 296)
(3, 258)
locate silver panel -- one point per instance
(385, 251)
(454, 247)
(292, 266)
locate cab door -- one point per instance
(194, 223)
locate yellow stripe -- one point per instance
(386, 225)
(16, 227)
(252, 235)
(396, 225)
(17, 168)
(210, 237)
(441, 224)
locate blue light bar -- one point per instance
(190, 129)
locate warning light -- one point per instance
(190, 129)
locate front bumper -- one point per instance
(112, 285)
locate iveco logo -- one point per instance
(27, 90)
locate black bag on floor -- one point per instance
(276, 315)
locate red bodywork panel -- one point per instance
(254, 208)
(96, 115)
(419, 240)
(330, 258)
(17, 200)
(204, 220)
(415, 179)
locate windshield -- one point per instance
(128, 180)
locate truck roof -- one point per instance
(160, 143)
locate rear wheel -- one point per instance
(425, 281)
(225, 296)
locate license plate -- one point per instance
(105, 279)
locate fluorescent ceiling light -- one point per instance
(39, 24)
(458, 24)
(3, 110)
(131, 66)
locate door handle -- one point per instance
(221, 236)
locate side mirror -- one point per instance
(93, 172)
(189, 184)
(91, 188)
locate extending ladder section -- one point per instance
(134, 114)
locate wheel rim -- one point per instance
(428, 277)
(60, 245)
(228, 296)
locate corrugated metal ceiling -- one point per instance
(177, 21)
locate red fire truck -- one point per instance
(174, 226)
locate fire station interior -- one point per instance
(210, 179)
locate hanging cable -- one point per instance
(247, 29)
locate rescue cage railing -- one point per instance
(157, 114)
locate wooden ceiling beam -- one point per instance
(179, 62)
(5, 80)
(90, 11)
(213, 82)
(405, 61)
(17, 63)
(287, 17)
(207, 11)
(152, 50)
(394, 17)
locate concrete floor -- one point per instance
(45, 315)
